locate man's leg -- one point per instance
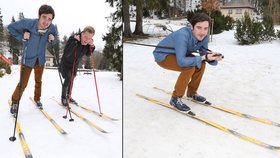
(170, 63)
(23, 83)
(38, 73)
(65, 87)
(195, 80)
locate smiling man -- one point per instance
(188, 57)
(76, 47)
(35, 34)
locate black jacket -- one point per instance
(68, 56)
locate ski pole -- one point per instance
(58, 65)
(95, 81)
(70, 90)
(57, 62)
(189, 54)
(13, 138)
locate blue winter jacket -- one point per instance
(184, 43)
(36, 45)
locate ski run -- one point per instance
(24, 145)
(245, 85)
(234, 112)
(214, 124)
(45, 133)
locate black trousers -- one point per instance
(67, 75)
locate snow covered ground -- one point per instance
(43, 139)
(247, 80)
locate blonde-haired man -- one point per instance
(76, 47)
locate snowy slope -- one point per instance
(247, 80)
(43, 139)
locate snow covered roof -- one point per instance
(48, 54)
(238, 4)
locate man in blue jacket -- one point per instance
(35, 34)
(188, 57)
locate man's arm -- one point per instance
(16, 29)
(70, 46)
(181, 48)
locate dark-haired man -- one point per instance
(191, 52)
(35, 34)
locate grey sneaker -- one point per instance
(39, 104)
(179, 105)
(198, 98)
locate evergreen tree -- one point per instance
(219, 21)
(250, 32)
(20, 15)
(63, 43)
(229, 23)
(240, 32)
(113, 47)
(14, 46)
(79, 31)
(1, 29)
(268, 28)
(2, 35)
(88, 63)
(54, 48)
(245, 31)
(256, 32)
(278, 34)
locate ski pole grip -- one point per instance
(219, 55)
(25, 30)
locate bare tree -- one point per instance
(274, 9)
(139, 18)
(210, 5)
(126, 18)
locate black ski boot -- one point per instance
(73, 101)
(64, 102)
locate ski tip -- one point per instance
(64, 133)
(191, 113)
(103, 131)
(207, 102)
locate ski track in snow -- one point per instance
(247, 80)
(43, 139)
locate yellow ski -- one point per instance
(91, 124)
(216, 125)
(97, 113)
(234, 112)
(23, 142)
(50, 119)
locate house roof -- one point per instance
(237, 4)
(48, 54)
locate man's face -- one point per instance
(86, 38)
(200, 30)
(44, 21)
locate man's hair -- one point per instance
(89, 29)
(199, 17)
(46, 9)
